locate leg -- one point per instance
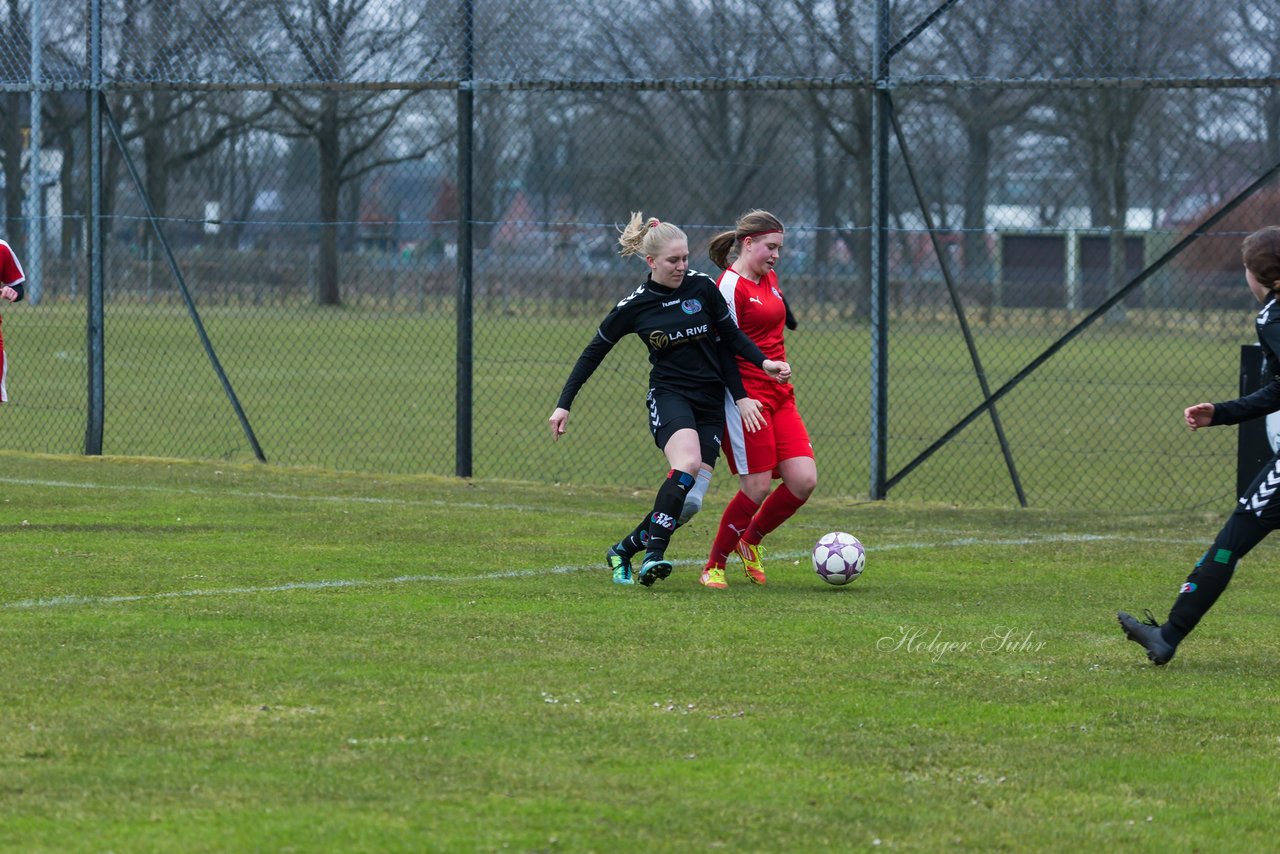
(634, 542)
(799, 477)
(1254, 517)
(1213, 573)
(685, 458)
(737, 516)
(693, 501)
(752, 456)
(755, 488)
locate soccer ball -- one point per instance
(838, 558)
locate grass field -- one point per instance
(362, 390)
(213, 657)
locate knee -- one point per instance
(803, 487)
(687, 465)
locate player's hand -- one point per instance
(557, 421)
(1199, 415)
(780, 371)
(8, 293)
(752, 413)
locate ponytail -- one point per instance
(647, 236)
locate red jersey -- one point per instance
(10, 274)
(759, 311)
(10, 270)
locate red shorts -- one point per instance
(783, 437)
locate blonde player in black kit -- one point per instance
(684, 322)
(1258, 511)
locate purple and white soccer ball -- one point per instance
(839, 558)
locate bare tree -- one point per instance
(980, 41)
(1248, 43)
(1116, 39)
(834, 41)
(341, 40)
(18, 38)
(711, 143)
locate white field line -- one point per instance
(60, 601)
(283, 496)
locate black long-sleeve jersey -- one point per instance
(684, 328)
(1267, 398)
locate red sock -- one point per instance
(737, 516)
(780, 506)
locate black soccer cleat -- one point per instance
(1148, 634)
(654, 569)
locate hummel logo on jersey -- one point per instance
(1266, 489)
(670, 303)
(629, 297)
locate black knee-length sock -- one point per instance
(635, 541)
(666, 510)
(1242, 531)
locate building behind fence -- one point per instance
(375, 234)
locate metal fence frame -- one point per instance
(881, 83)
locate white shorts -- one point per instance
(4, 368)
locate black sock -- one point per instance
(666, 509)
(1212, 574)
(635, 541)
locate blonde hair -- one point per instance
(647, 236)
(750, 224)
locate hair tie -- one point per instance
(654, 222)
(759, 233)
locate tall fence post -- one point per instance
(94, 326)
(879, 273)
(463, 414)
(35, 197)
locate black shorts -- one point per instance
(670, 411)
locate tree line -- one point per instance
(319, 114)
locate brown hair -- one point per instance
(1261, 253)
(647, 236)
(750, 224)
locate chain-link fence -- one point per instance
(375, 234)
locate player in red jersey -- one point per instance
(781, 448)
(11, 279)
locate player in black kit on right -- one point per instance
(1257, 513)
(686, 326)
